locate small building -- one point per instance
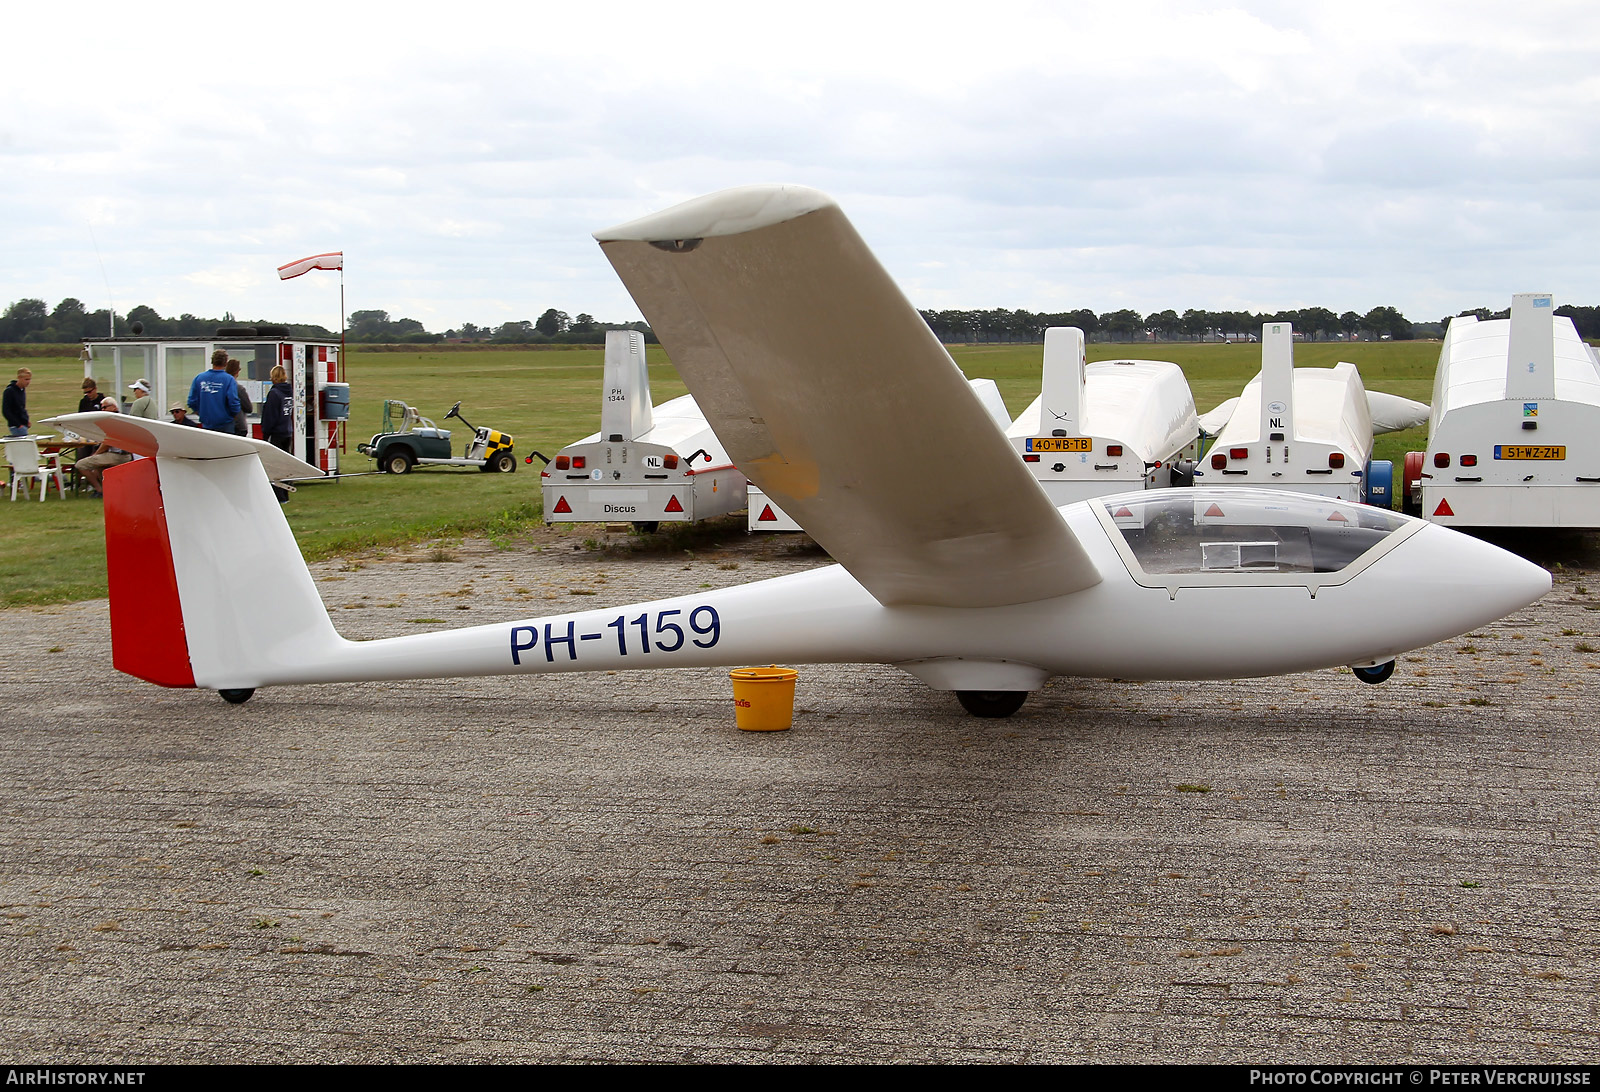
(170, 363)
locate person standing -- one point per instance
(15, 403)
(144, 403)
(277, 412)
(215, 396)
(241, 426)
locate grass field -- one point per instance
(54, 552)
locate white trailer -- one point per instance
(765, 515)
(1514, 439)
(648, 464)
(1107, 427)
(1305, 429)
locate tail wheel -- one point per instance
(397, 462)
(1411, 483)
(501, 462)
(1374, 675)
(237, 697)
(991, 703)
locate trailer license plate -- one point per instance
(1060, 443)
(1524, 451)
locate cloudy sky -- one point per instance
(1430, 156)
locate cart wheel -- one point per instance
(398, 462)
(503, 462)
(647, 526)
(991, 703)
(237, 697)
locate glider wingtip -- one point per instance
(726, 212)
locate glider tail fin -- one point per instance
(226, 602)
(1061, 404)
(1277, 381)
(1531, 354)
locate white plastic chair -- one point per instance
(22, 456)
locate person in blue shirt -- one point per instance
(214, 395)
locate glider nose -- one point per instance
(1493, 580)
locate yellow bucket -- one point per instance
(763, 698)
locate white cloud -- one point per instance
(1147, 154)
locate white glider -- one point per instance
(953, 564)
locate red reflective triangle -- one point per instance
(673, 505)
(561, 506)
(1338, 517)
(1122, 513)
(766, 516)
(1443, 509)
(1213, 511)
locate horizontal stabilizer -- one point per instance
(163, 439)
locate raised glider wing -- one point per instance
(953, 564)
(835, 398)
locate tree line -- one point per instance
(33, 321)
(1315, 323)
(551, 328)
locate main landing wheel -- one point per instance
(1374, 675)
(991, 703)
(237, 697)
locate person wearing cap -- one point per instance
(144, 403)
(180, 415)
(104, 458)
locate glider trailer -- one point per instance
(1305, 429)
(1107, 427)
(793, 338)
(1514, 440)
(647, 465)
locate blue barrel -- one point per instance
(1378, 490)
(336, 402)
